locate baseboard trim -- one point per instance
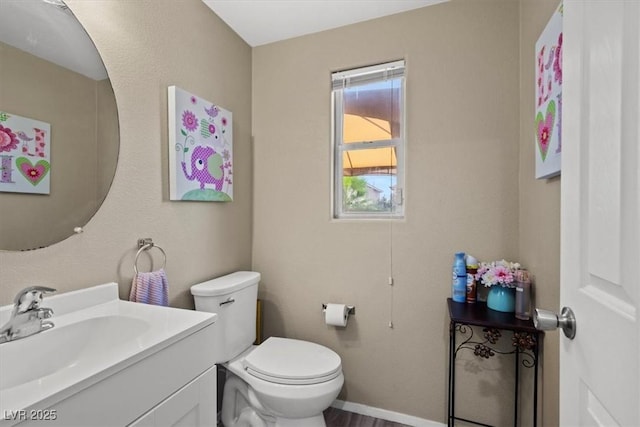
(385, 414)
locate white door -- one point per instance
(600, 278)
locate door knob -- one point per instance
(545, 320)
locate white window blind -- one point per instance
(366, 75)
(368, 141)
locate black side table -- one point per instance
(526, 341)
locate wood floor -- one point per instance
(338, 418)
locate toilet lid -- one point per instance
(289, 361)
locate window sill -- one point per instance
(368, 218)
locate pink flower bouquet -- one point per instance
(501, 273)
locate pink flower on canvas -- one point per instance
(189, 121)
(8, 140)
(194, 100)
(212, 128)
(33, 173)
(557, 63)
(544, 135)
(224, 121)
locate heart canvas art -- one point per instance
(548, 115)
(25, 154)
(200, 149)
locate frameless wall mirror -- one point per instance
(52, 73)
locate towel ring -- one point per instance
(146, 247)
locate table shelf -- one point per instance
(526, 343)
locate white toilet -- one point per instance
(281, 382)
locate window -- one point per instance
(368, 141)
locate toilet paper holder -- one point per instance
(351, 309)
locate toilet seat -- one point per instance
(292, 362)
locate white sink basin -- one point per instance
(95, 336)
(75, 344)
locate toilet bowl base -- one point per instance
(249, 417)
(241, 408)
(316, 421)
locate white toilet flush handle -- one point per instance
(229, 300)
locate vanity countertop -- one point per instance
(95, 335)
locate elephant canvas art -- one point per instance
(200, 149)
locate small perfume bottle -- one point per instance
(523, 295)
(472, 269)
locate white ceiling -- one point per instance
(51, 33)
(54, 34)
(260, 22)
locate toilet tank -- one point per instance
(233, 297)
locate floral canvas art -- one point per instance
(548, 113)
(25, 159)
(200, 149)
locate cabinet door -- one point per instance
(193, 405)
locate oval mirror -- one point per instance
(59, 135)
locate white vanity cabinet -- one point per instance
(174, 386)
(111, 363)
(192, 405)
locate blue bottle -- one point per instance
(459, 286)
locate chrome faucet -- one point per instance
(27, 317)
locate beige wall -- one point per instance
(539, 203)
(469, 185)
(41, 90)
(147, 46)
(461, 192)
